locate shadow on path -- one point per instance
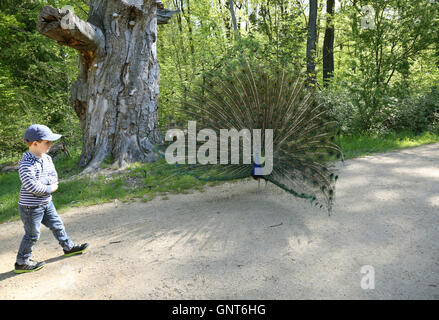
(11, 274)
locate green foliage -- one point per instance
(381, 82)
(357, 145)
(35, 79)
(417, 114)
(191, 46)
(385, 64)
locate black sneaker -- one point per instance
(75, 250)
(28, 267)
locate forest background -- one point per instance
(384, 77)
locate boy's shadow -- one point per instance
(11, 274)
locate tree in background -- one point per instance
(401, 31)
(328, 43)
(384, 62)
(312, 42)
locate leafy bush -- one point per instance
(413, 114)
(342, 108)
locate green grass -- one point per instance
(145, 181)
(361, 145)
(142, 181)
(9, 191)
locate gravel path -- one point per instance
(231, 242)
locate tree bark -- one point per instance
(116, 93)
(311, 42)
(226, 20)
(232, 14)
(187, 16)
(437, 48)
(328, 44)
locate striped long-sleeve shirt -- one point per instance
(36, 175)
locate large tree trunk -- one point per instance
(328, 44)
(116, 93)
(311, 42)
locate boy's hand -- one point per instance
(54, 186)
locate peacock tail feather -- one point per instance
(249, 96)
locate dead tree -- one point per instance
(116, 93)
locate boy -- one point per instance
(39, 180)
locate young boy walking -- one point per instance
(39, 180)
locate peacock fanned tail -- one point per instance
(248, 96)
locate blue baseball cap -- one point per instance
(40, 132)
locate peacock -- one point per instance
(249, 97)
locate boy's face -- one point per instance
(41, 147)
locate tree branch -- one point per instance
(68, 29)
(163, 15)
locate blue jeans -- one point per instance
(32, 218)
